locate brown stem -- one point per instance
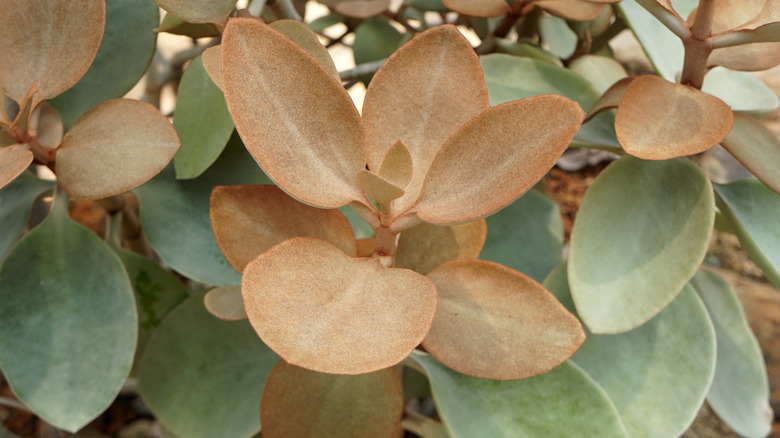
(386, 245)
(697, 45)
(702, 26)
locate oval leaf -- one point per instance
(322, 310)
(36, 43)
(202, 377)
(424, 92)
(114, 147)
(199, 11)
(14, 160)
(16, 202)
(301, 403)
(476, 334)
(302, 35)
(362, 8)
(397, 166)
(496, 157)
(575, 10)
(378, 188)
(306, 135)
(663, 213)
(225, 302)
(562, 402)
(426, 246)
(756, 148)
(478, 8)
(658, 120)
(212, 63)
(249, 220)
(68, 320)
(740, 390)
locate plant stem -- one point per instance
(360, 70)
(697, 45)
(284, 9)
(671, 20)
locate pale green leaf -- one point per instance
(640, 234)
(68, 321)
(16, 202)
(742, 91)
(375, 39)
(600, 71)
(202, 376)
(557, 36)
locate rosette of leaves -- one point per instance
(435, 158)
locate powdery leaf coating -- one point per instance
(378, 188)
(199, 11)
(658, 120)
(496, 323)
(302, 35)
(250, 219)
(426, 246)
(756, 148)
(423, 93)
(362, 8)
(322, 310)
(212, 63)
(51, 41)
(14, 160)
(301, 403)
(496, 157)
(225, 302)
(612, 98)
(296, 120)
(397, 166)
(478, 8)
(571, 9)
(114, 147)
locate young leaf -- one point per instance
(663, 213)
(225, 302)
(397, 166)
(478, 8)
(114, 147)
(301, 403)
(14, 160)
(378, 188)
(740, 390)
(306, 135)
(201, 120)
(425, 246)
(496, 157)
(68, 320)
(37, 43)
(218, 392)
(475, 334)
(424, 92)
(323, 310)
(249, 220)
(199, 11)
(756, 148)
(658, 120)
(562, 402)
(16, 202)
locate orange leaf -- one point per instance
(496, 157)
(365, 247)
(424, 92)
(302, 35)
(51, 41)
(658, 120)
(425, 246)
(249, 220)
(322, 310)
(496, 323)
(114, 147)
(397, 166)
(611, 98)
(225, 303)
(14, 160)
(301, 403)
(199, 11)
(211, 59)
(296, 120)
(478, 8)
(378, 188)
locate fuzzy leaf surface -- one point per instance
(426, 246)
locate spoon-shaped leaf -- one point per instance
(38, 43)
(14, 160)
(249, 219)
(658, 120)
(323, 310)
(495, 323)
(305, 134)
(424, 92)
(496, 157)
(756, 148)
(301, 403)
(478, 8)
(114, 147)
(199, 11)
(225, 302)
(426, 246)
(661, 213)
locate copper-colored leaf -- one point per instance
(249, 220)
(378, 188)
(575, 10)
(296, 120)
(658, 120)
(114, 147)
(478, 8)
(365, 247)
(47, 126)
(300, 403)
(496, 157)
(199, 11)
(397, 166)
(755, 147)
(427, 246)
(51, 41)
(362, 8)
(496, 323)
(14, 160)
(325, 311)
(302, 35)
(225, 302)
(211, 58)
(424, 92)
(610, 99)
(603, 1)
